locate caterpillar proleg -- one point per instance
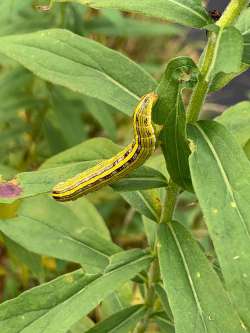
(130, 158)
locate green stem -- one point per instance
(232, 12)
(199, 94)
(197, 99)
(170, 202)
(63, 15)
(153, 277)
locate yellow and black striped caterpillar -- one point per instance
(130, 158)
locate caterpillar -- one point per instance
(110, 170)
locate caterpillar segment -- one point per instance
(127, 160)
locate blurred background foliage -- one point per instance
(39, 120)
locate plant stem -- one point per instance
(170, 202)
(153, 277)
(200, 91)
(232, 12)
(197, 99)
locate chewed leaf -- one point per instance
(180, 73)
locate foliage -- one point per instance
(165, 249)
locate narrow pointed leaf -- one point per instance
(146, 202)
(165, 325)
(141, 179)
(46, 227)
(120, 322)
(82, 326)
(81, 65)
(229, 46)
(237, 120)
(57, 305)
(161, 292)
(221, 177)
(221, 79)
(196, 296)
(187, 12)
(29, 259)
(243, 24)
(150, 228)
(122, 26)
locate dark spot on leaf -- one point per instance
(9, 190)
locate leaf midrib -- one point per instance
(90, 285)
(224, 178)
(195, 295)
(115, 82)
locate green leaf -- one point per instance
(111, 305)
(14, 93)
(180, 73)
(20, 17)
(145, 202)
(196, 295)
(88, 216)
(113, 23)
(29, 259)
(221, 177)
(161, 292)
(103, 114)
(158, 162)
(187, 12)
(90, 152)
(247, 149)
(228, 52)
(67, 117)
(243, 24)
(221, 79)
(82, 326)
(121, 322)
(166, 326)
(81, 65)
(46, 227)
(150, 228)
(53, 135)
(6, 171)
(14, 82)
(237, 120)
(141, 179)
(117, 301)
(57, 305)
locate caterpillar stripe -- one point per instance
(130, 158)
